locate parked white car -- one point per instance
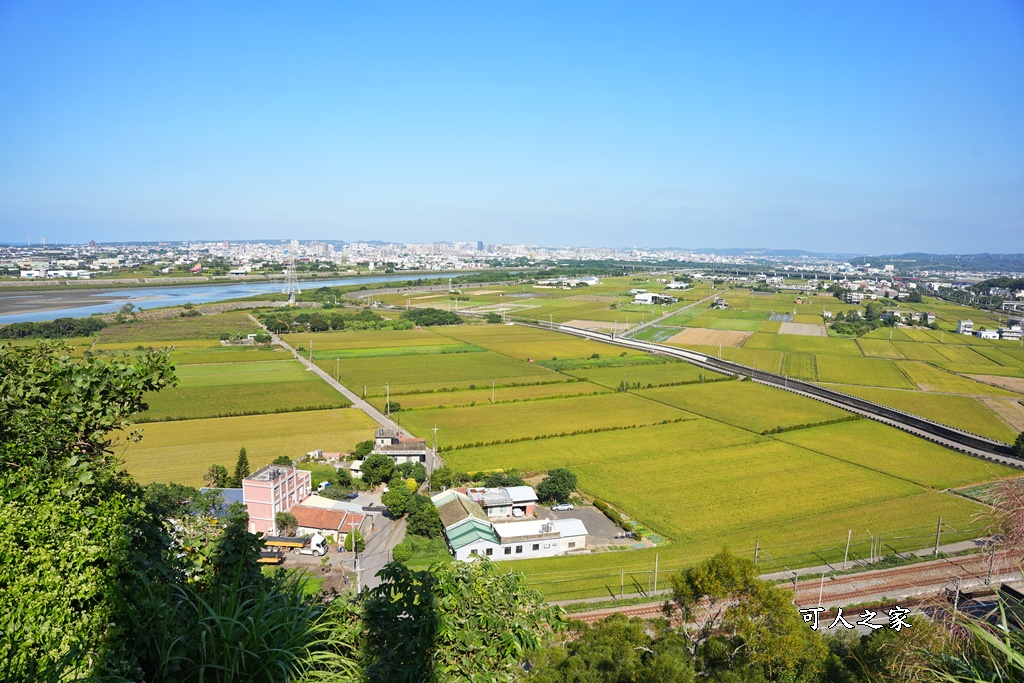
(562, 507)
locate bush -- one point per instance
(402, 552)
(354, 538)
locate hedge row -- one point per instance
(473, 404)
(142, 418)
(780, 430)
(616, 518)
(473, 387)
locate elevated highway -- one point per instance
(965, 442)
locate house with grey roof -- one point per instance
(399, 446)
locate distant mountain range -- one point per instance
(776, 253)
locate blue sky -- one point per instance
(857, 127)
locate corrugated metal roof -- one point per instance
(521, 494)
(453, 507)
(318, 518)
(470, 531)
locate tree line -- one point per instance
(53, 329)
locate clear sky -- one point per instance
(877, 126)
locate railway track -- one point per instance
(905, 586)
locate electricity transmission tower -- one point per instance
(291, 285)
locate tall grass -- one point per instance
(231, 631)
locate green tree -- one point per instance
(241, 467)
(425, 520)
(756, 622)
(557, 486)
(492, 318)
(354, 539)
(282, 460)
(701, 594)
(286, 523)
(615, 650)
(500, 479)
(172, 501)
(1018, 446)
(81, 542)
(377, 469)
(453, 622)
(873, 311)
(363, 449)
(396, 498)
(415, 470)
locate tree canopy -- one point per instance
(557, 486)
(429, 317)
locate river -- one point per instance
(33, 306)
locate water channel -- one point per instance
(33, 306)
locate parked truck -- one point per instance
(317, 546)
(301, 545)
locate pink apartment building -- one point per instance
(273, 489)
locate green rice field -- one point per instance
(466, 397)
(241, 389)
(741, 404)
(431, 372)
(367, 339)
(647, 375)
(459, 427)
(877, 447)
(962, 412)
(863, 371)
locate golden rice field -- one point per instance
(182, 451)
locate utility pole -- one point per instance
(310, 349)
(337, 369)
(938, 532)
(849, 535)
(387, 399)
(655, 572)
(757, 550)
(492, 391)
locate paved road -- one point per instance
(357, 402)
(378, 553)
(378, 545)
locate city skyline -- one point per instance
(875, 129)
